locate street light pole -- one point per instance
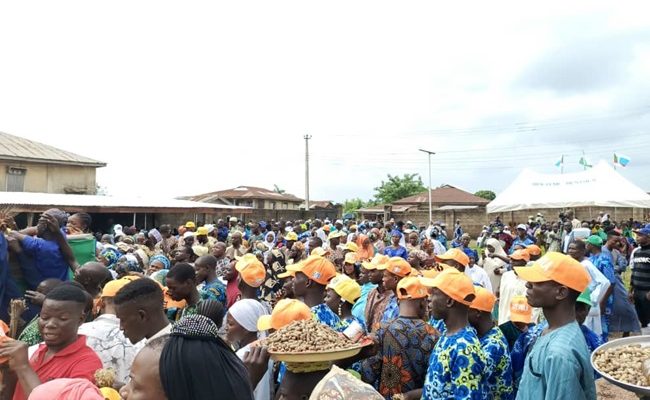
(430, 210)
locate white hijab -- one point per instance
(498, 248)
(246, 312)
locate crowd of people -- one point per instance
(183, 312)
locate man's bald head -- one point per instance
(93, 276)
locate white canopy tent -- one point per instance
(597, 186)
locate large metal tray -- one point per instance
(643, 341)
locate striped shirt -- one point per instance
(641, 271)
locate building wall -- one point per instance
(582, 213)
(471, 220)
(52, 178)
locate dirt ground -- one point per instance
(606, 390)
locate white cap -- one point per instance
(522, 226)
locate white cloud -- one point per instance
(201, 96)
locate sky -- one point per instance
(182, 98)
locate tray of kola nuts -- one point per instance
(625, 363)
(309, 341)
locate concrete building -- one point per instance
(28, 166)
(448, 203)
(250, 196)
(324, 209)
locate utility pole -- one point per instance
(430, 209)
(307, 137)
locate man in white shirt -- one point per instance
(105, 337)
(478, 275)
(140, 307)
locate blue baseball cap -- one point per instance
(643, 231)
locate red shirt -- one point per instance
(75, 361)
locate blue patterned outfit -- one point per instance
(392, 310)
(401, 362)
(214, 290)
(499, 367)
(390, 251)
(457, 368)
(521, 348)
(438, 324)
(323, 314)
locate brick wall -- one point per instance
(256, 215)
(582, 213)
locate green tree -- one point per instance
(486, 194)
(397, 187)
(351, 205)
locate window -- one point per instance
(285, 205)
(16, 179)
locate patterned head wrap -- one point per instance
(127, 263)
(155, 235)
(161, 259)
(195, 326)
(111, 256)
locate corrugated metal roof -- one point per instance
(245, 192)
(452, 207)
(24, 201)
(21, 149)
(444, 195)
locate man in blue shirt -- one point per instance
(557, 366)
(50, 251)
(522, 240)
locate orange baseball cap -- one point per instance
(484, 300)
(251, 269)
(112, 287)
(317, 268)
(397, 266)
(454, 254)
(376, 261)
(411, 288)
(520, 310)
(559, 268)
(432, 273)
(520, 255)
(284, 313)
(454, 284)
(533, 250)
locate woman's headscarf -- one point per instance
(365, 252)
(246, 312)
(127, 263)
(197, 364)
(66, 389)
(111, 256)
(161, 259)
(269, 244)
(117, 229)
(155, 235)
(160, 276)
(498, 248)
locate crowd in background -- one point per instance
(179, 312)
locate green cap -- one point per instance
(595, 240)
(585, 297)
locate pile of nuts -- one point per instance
(306, 335)
(628, 364)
